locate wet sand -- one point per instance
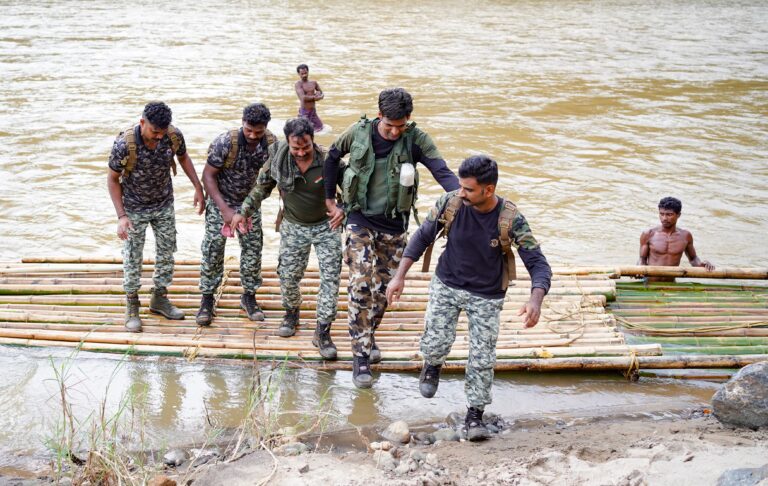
(682, 448)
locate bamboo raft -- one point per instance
(81, 303)
(590, 320)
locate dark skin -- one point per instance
(481, 198)
(665, 244)
(253, 135)
(308, 91)
(150, 135)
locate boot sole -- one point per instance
(167, 316)
(326, 356)
(362, 384)
(427, 393)
(285, 334)
(258, 317)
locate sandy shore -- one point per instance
(688, 448)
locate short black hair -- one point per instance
(672, 204)
(256, 114)
(302, 66)
(395, 103)
(482, 168)
(298, 127)
(158, 114)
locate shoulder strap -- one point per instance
(129, 162)
(234, 146)
(446, 219)
(506, 218)
(175, 144)
(449, 213)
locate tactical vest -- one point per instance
(129, 161)
(506, 218)
(234, 137)
(362, 161)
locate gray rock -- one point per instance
(431, 459)
(417, 455)
(384, 460)
(304, 469)
(492, 428)
(743, 477)
(405, 466)
(397, 432)
(174, 457)
(425, 438)
(291, 449)
(446, 434)
(743, 401)
(455, 420)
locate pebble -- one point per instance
(397, 432)
(174, 457)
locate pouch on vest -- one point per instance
(349, 188)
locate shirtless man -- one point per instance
(308, 92)
(664, 245)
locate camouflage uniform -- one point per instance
(148, 200)
(304, 225)
(372, 258)
(446, 302)
(295, 243)
(234, 183)
(212, 263)
(440, 322)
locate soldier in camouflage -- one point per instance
(378, 196)
(234, 160)
(139, 184)
(295, 167)
(470, 277)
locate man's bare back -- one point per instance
(665, 244)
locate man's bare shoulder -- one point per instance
(649, 232)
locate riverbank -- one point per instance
(689, 447)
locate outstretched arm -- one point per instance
(690, 252)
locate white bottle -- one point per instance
(407, 174)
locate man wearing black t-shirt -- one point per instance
(470, 276)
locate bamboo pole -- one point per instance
(694, 272)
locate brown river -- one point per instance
(593, 109)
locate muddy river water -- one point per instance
(594, 110)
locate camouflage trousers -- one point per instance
(163, 223)
(296, 241)
(440, 322)
(212, 261)
(372, 258)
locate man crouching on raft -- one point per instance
(472, 275)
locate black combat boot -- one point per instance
(361, 372)
(429, 379)
(159, 304)
(289, 324)
(251, 307)
(132, 320)
(322, 340)
(476, 430)
(375, 352)
(206, 312)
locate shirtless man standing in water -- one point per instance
(308, 92)
(664, 245)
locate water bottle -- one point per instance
(407, 174)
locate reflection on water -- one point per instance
(186, 402)
(595, 110)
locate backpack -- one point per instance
(506, 218)
(234, 146)
(129, 162)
